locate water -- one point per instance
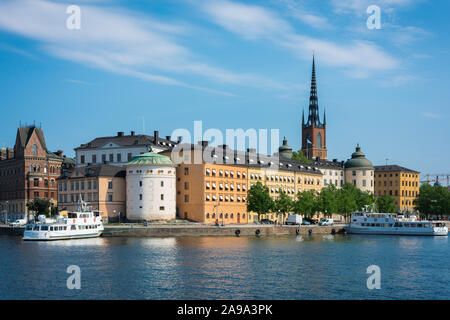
(285, 267)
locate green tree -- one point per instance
(327, 200)
(39, 206)
(433, 200)
(305, 203)
(386, 204)
(283, 204)
(299, 156)
(259, 200)
(346, 203)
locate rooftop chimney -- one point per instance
(132, 133)
(120, 134)
(179, 138)
(59, 153)
(168, 138)
(156, 135)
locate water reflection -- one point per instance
(282, 267)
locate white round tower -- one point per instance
(151, 188)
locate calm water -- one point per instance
(317, 267)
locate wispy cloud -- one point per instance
(13, 49)
(254, 22)
(118, 41)
(78, 81)
(359, 7)
(431, 115)
(297, 11)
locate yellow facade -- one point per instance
(400, 183)
(291, 182)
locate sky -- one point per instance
(146, 65)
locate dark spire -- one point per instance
(324, 117)
(303, 116)
(313, 117)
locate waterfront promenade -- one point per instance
(198, 229)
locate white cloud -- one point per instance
(297, 11)
(118, 41)
(359, 7)
(359, 58)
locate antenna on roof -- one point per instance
(143, 125)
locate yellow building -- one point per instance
(398, 182)
(291, 177)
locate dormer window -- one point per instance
(35, 149)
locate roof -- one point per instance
(150, 158)
(393, 168)
(222, 154)
(326, 164)
(358, 160)
(129, 140)
(24, 134)
(102, 170)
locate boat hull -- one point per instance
(35, 237)
(374, 231)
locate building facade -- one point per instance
(400, 183)
(120, 149)
(360, 171)
(211, 186)
(314, 131)
(151, 188)
(27, 172)
(102, 186)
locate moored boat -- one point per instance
(84, 223)
(391, 224)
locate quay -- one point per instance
(190, 230)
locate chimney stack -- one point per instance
(156, 136)
(132, 133)
(120, 134)
(168, 138)
(59, 153)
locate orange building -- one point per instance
(398, 182)
(102, 186)
(212, 190)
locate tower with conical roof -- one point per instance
(314, 139)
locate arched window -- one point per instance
(308, 141)
(319, 140)
(35, 149)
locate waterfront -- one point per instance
(278, 267)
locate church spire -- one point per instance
(313, 117)
(303, 117)
(324, 117)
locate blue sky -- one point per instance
(232, 64)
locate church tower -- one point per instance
(314, 131)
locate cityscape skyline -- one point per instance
(392, 92)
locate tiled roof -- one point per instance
(129, 140)
(393, 168)
(251, 159)
(102, 170)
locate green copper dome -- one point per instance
(285, 150)
(150, 158)
(358, 160)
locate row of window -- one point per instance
(222, 173)
(150, 171)
(37, 168)
(364, 173)
(223, 198)
(222, 186)
(63, 198)
(405, 175)
(104, 158)
(223, 216)
(80, 185)
(363, 183)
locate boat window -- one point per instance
(51, 228)
(426, 225)
(65, 228)
(73, 227)
(44, 228)
(419, 225)
(28, 228)
(36, 228)
(413, 225)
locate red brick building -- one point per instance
(28, 171)
(314, 131)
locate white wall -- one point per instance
(149, 207)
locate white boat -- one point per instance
(83, 223)
(391, 224)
